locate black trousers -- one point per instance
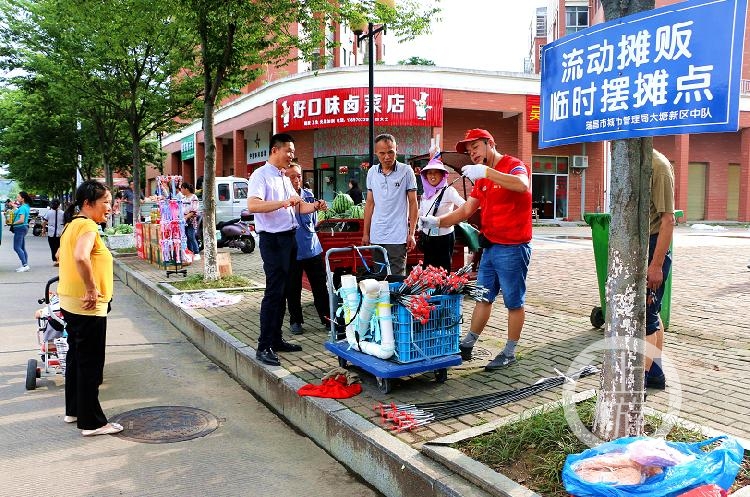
(438, 250)
(314, 268)
(277, 250)
(84, 370)
(54, 245)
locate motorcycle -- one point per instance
(235, 233)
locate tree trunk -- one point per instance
(136, 175)
(210, 264)
(619, 406)
(620, 401)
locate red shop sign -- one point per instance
(392, 106)
(532, 113)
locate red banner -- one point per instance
(392, 106)
(532, 113)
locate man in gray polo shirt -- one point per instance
(391, 205)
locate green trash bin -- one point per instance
(600, 237)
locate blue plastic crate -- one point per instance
(438, 337)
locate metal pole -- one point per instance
(371, 75)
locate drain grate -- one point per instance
(165, 424)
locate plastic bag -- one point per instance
(719, 466)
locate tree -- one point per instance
(122, 60)
(416, 61)
(238, 38)
(619, 406)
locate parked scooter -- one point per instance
(235, 233)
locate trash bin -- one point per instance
(600, 237)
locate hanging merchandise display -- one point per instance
(171, 219)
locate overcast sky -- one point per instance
(491, 35)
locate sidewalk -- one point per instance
(149, 364)
(708, 343)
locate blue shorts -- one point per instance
(654, 308)
(504, 267)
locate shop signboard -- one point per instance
(345, 107)
(532, 113)
(667, 71)
(187, 147)
(258, 138)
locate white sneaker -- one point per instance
(23, 269)
(196, 257)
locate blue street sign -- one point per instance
(666, 71)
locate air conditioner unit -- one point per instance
(580, 161)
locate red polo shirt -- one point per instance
(506, 215)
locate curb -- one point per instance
(391, 466)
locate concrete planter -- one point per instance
(120, 241)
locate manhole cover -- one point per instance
(165, 424)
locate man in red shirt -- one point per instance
(503, 191)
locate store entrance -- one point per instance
(549, 197)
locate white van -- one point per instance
(231, 197)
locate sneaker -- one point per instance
(23, 269)
(500, 362)
(295, 329)
(196, 257)
(656, 382)
(465, 351)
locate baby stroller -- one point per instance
(51, 337)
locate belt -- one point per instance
(279, 233)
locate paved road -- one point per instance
(149, 363)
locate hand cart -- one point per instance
(419, 348)
(51, 338)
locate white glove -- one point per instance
(475, 171)
(429, 222)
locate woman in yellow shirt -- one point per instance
(85, 290)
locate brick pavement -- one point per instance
(708, 340)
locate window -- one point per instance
(223, 191)
(240, 190)
(576, 18)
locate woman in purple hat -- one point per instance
(437, 199)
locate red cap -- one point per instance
(473, 135)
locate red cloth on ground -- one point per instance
(331, 388)
(706, 491)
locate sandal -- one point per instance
(108, 429)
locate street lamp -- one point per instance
(372, 31)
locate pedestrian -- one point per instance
(273, 201)
(85, 291)
(190, 211)
(503, 193)
(309, 258)
(661, 229)
(53, 224)
(354, 192)
(20, 227)
(391, 206)
(437, 199)
(128, 198)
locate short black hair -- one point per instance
(187, 186)
(279, 139)
(385, 137)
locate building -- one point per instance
(325, 111)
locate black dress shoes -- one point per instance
(268, 357)
(285, 346)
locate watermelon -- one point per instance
(357, 211)
(342, 202)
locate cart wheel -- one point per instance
(441, 375)
(342, 362)
(597, 317)
(31, 374)
(384, 384)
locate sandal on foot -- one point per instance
(70, 419)
(108, 429)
